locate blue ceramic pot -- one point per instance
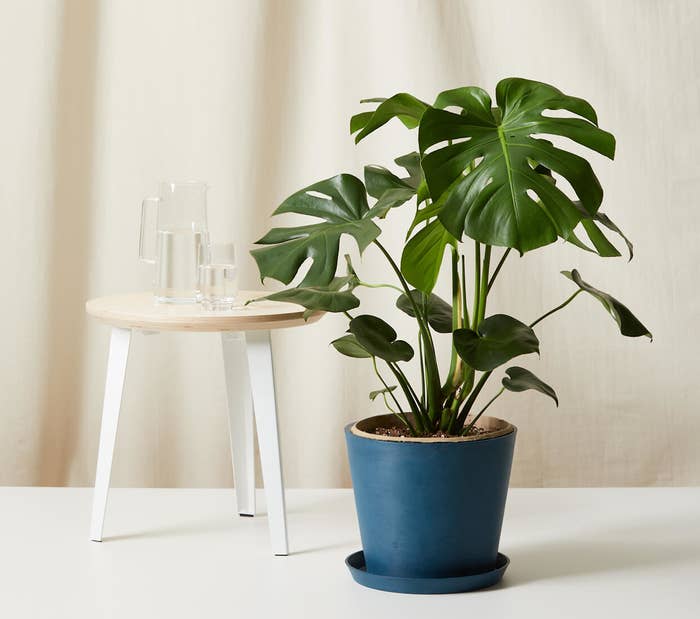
(430, 508)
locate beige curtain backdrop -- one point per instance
(100, 100)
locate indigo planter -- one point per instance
(430, 509)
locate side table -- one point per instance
(247, 355)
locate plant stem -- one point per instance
(396, 369)
(455, 365)
(477, 284)
(481, 412)
(366, 285)
(410, 396)
(398, 413)
(381, 378)
(431, 369)
(461, 418)
(498, 268)
(484, 284)
(422, 370)
(557, 308)
(465, 309)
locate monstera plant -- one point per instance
(486, 180)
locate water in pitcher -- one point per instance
(179, 253)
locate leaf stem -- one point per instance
(498, 268)
(465, 313)
(477, 284)
(483, 294)
(481, 412)
(422, 370)
(461, 418)
(381, 378)
(410, 396)
(455, 365)
(431, 369)
(398, 413)
(366, 285)
(557, 308)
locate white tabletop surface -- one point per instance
(593, 553)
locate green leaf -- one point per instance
(350, 347)
(374, 394)
(608, 223)
(378, 180)
(520, 379)
(411, 163)
(379, 339)
(629, 324)
(391, 199)
(390, 190)
(439, 311)
(359, 120)
(488, 176)
(601, 243)
(603, 247)
(498, 339)
(337, 296)
(341, 202)
(328, 298)
(423, 254)
(403, 106)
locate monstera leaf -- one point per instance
(486, 177)
(602, 246)
(374, 394)
(411, 163)
(520, 379)
(403, 106)
(589, 222)
(350, 347)
(390, 190)
(439, 312)
(378, 338)
(341, 202)
(629, 324)
(497, 339)
(330, 298)
(423, 253)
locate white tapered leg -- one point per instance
(263, 388)
(114, 388)
(240, 420)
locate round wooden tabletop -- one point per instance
(141, 311)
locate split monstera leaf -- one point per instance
(492, 174)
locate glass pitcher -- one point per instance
(174, 238)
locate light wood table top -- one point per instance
(140, 311)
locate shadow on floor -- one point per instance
(632, 548)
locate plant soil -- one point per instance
(405, 432)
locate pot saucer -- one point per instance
(398, 584)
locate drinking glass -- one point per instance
(218, 278)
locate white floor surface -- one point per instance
(185, 553)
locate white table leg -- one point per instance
(263, 389)
(240, 420)
(114, 388)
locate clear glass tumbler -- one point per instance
(218, 278)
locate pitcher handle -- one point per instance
(147, 236)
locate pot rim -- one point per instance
(495, 427)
